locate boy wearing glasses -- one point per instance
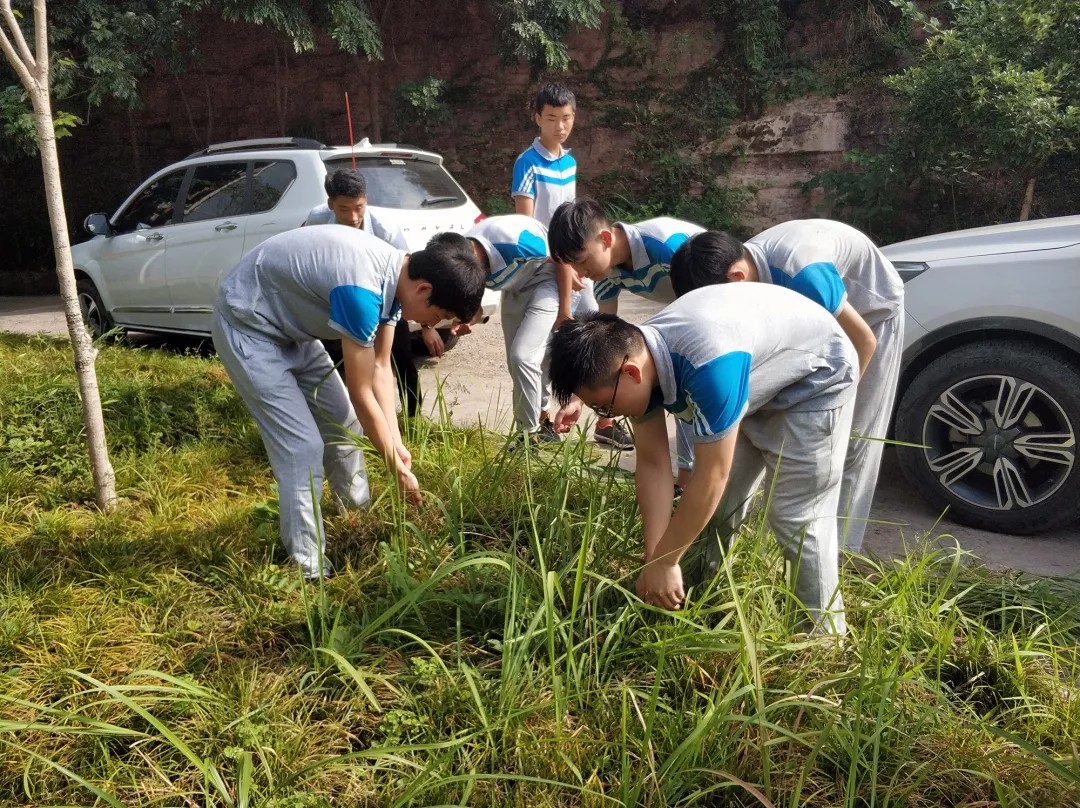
(767, 380)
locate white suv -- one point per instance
(156, 263)
(989, 401)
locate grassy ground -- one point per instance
(483, 650)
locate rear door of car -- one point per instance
(207, 239)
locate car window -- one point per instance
(154, 205)
(404, 183)
(217, 190)
(270, 181)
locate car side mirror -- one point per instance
(97, 224)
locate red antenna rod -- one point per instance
(348, 116)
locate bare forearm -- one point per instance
(373, 420)
(652, 482)
(564, 277)
(386, 396)
(696, 508)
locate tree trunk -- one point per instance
(93, 422)
(33, 72)
(1029, 196)
(374, 105)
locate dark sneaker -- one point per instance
(546, 433)
(615, 435)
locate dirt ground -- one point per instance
(476, 388)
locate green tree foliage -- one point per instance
(534, 29)
(997, 92)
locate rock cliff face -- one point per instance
(250, 83)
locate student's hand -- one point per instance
(660, 583)
(568, 416)
(577, 283)
(409, 487)
(404, 456)
(562, 317)
(433, 341)
(461, 329)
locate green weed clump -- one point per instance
(484, 650)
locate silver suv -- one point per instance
(155, 264)
(989, 397)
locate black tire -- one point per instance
(420, 349)
(96, 318)
(978, 413)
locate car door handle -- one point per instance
(226, 226)
(154, 237)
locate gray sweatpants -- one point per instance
(869, 425)
(304, 415)
(803, 455)
(527, 317)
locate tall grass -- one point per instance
(485, 649)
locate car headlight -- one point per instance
(910, 269)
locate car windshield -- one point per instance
(404, 183)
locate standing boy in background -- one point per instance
(840, 269)
(545, 176)
(618, 256)
(346, 204)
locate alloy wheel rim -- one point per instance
(999, 442)
(91, 313)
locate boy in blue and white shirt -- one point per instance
(545, 176)
(767, 381)
(840, 269)
(309, 284)
(514, 251)
(623, 257)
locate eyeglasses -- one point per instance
(608, 411)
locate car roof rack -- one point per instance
(260, 143)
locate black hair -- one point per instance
(345, 182)
(554, 95)
(704, 260)
(586, 352)
(572, 226)
(449, 264)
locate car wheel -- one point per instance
(420, 349)
(95, 317)
(996, 425)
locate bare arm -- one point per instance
(652, 478)
(565, 277)
(525, 205)
(860, 335)
(371, 383)
(660, 581)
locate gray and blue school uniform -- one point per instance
(272, 309)
(386, 231)
(652, 244)
(778, 369)
(519, 267)
(832, 263)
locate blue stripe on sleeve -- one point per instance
(661, 252)
(718, 391)
(528, 245)
(820, 281)
(523, 179)
(356, 311)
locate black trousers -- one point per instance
(401, 360)
(404, 363)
